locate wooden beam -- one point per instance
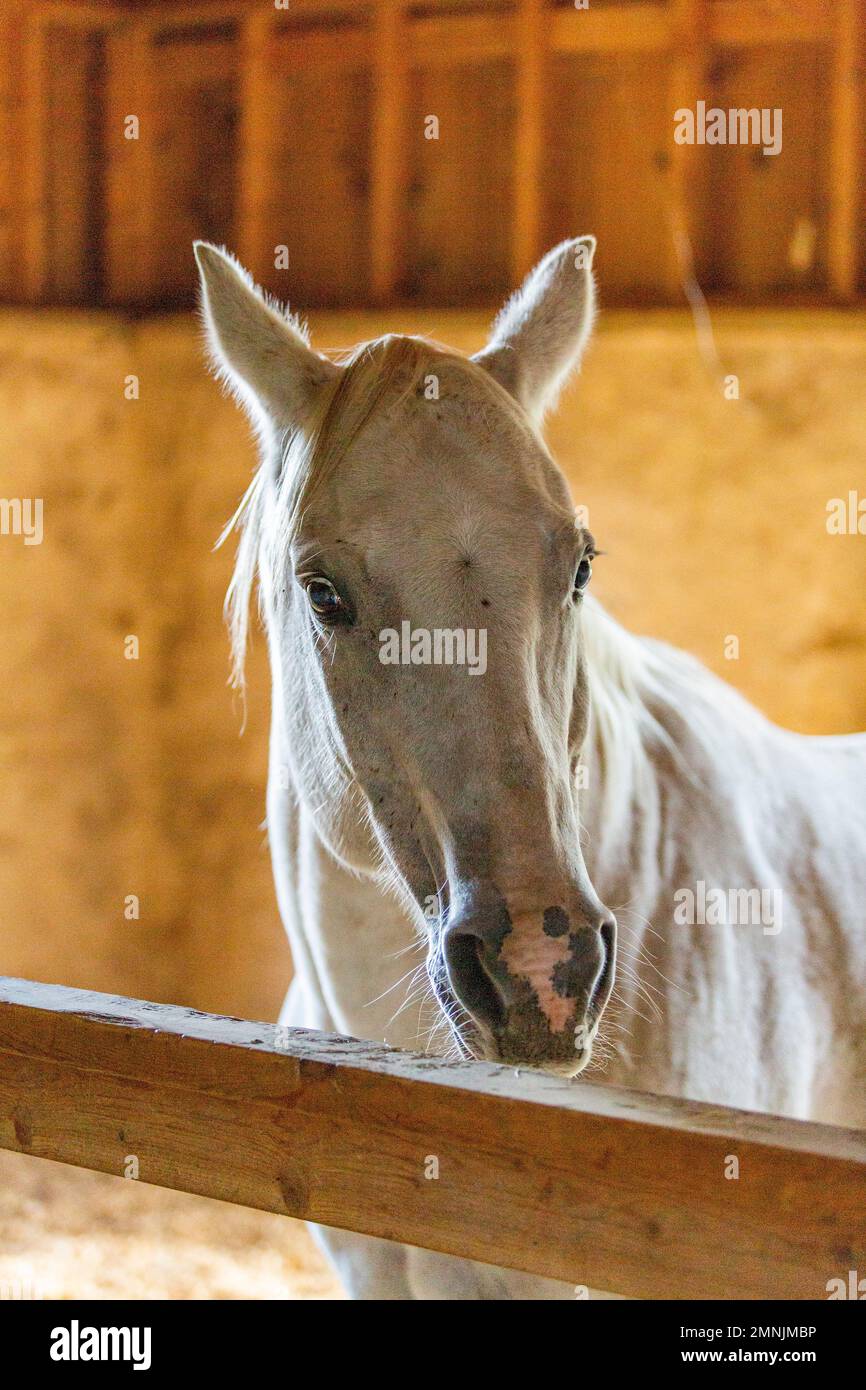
(647, 27)
(446, 40)
(201, 12)
(594, 1185)
(297, 12)
(388, 154)
(753, 23)
(641, 28)
(256, 121)
(96, 17)
(845, 192)
(526, 208)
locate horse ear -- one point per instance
(540, 335)
(262, 353)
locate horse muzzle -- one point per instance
(533, 982)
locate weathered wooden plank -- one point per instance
(749, 23)
(584, 1183)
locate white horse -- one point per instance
(471, 822)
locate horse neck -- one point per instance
(663, 739)
(620, 787)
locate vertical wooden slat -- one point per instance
(687, 79)
(34, 164)
(388, 155)
(9, 64)
(73, 173)
(119, 171)
(150, 216)
(845, 180)
(132, 257)
(256, 117)
(529, 134)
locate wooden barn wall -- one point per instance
(305, 128)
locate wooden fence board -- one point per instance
(589, 1184)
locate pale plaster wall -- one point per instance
(124, 777)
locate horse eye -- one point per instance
(583, 576)
(324, 599)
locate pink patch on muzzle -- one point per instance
(529, 954)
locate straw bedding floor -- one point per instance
(66, 1233)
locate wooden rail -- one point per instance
(593, 1185)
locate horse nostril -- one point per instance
(604, 983)
(470, 981)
